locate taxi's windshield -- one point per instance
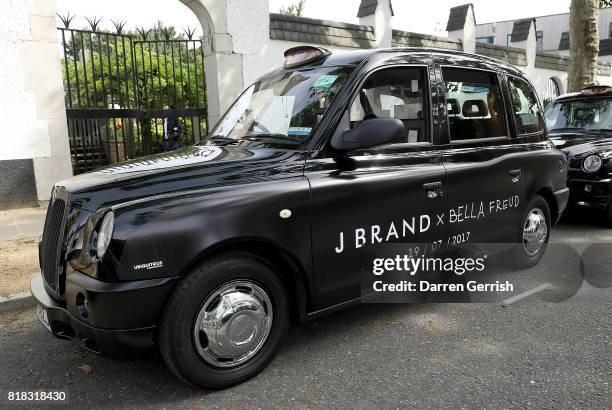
(282, 108)
(592, 114)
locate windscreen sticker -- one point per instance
(299, 131)
(528, 119)
(325, 81)
(474, 88)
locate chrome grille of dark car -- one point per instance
(51, 244)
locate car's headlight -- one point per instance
(592, 163)
(105, 233)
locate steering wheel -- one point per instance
(261, 127)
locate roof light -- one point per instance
(303, 55)
(596, 89)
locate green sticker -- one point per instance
(325, 81)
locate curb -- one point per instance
(16, 301)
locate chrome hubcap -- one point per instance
(535, 232)
(233, 323)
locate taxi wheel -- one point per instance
(533, 235)
(224, 322)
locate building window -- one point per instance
(486, 40)
(553, 90)
(539, 40)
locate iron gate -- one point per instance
(119, 88)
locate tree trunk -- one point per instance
(584, 44)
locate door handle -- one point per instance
(515, 174)
(433, 189)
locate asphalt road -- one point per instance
(529, 354)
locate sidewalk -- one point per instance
(22, 223)
(19, 233)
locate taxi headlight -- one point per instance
(105, 233)
(592, 163)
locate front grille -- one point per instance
(575, 163)
(51, 245)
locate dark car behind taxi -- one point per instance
(580, 124)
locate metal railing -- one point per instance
(120, 87)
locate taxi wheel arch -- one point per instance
(286, 265)
(548, 196)
(179, 347)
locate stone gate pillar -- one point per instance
(234, 33)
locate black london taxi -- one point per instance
(580, 124)
(209, 252)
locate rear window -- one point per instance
(528, 117)
(473, 104)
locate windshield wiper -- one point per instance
(567, 129)
(272, 138)
(602, 129)
(222, 139)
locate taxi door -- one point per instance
(486, 194)
(364, 199)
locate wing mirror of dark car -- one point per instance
(369, 133)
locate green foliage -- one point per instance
(296, 9)
(111, 73)
(145, 69)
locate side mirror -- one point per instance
(369, 133)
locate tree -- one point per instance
(584, 43)
(108, 70)
(296, 9)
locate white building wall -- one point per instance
(499, 31)
(551, 26)
(32, 104)
(605, 18)
(18, 107)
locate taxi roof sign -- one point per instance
(596, 89)
(302, 55)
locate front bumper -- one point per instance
(77, 317)
(594, 194)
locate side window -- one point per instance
(527, 114)
(473, 104)
(399, 93)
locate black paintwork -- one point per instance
(577, 146)
(180, 207)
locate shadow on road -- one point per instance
(38, 361)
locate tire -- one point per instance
(200, 356)
(521, 256)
